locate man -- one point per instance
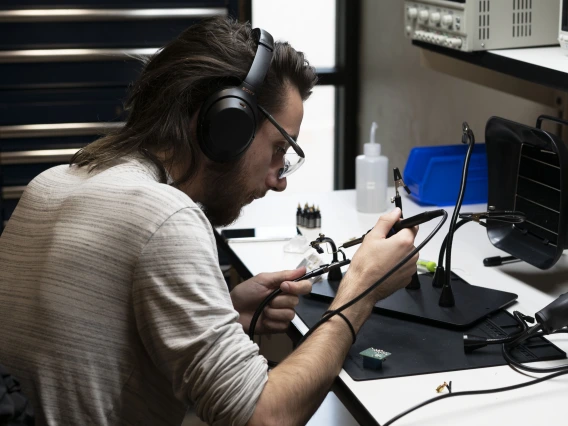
(118, 311)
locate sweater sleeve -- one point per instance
(188, 325)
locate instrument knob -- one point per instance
(455, 42)
(435, 17)
(423, 15)
(447, 21)
(412, 13)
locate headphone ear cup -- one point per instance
(227, 124)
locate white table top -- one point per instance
(554, 58)
(385, 398)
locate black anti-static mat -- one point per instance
(419, 348)
(472, 303)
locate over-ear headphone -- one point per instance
(228, 118)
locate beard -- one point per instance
(226, 192)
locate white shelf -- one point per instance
(553, 58)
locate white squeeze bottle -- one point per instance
(371, 174)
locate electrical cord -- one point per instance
(473, 342)
(501, 216)
(443, 248)
(507, 342)
(505, 351)
(353, 334)
(314, 273)
(334, 312)
(467, 134)
(477, 392)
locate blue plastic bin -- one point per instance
(433, 174)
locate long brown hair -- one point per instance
(174, 83)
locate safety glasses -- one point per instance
(294, 156)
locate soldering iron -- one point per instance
(401, 224)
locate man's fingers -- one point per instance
(386, 222)
(282, 315)
(405, 237)
(299, 287)
(284, 301)
(414, 230)
(276, 326)
(275, 279)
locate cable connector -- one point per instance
(472, 342)
(524, 317)
(325, 268)
(448, 386)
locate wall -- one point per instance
(415, 106)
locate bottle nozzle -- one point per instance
(372, 149)
(374, 127)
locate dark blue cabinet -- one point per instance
(65, 68)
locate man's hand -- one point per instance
(276, 317)
(378, 254)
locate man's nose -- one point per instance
(277, 184)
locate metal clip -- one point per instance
(507, 216)
(398, 182)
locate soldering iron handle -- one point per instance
(322, 270)
(416, 220)
(353, 242)
(401, 224)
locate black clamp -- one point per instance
(507, 216)
(335, 274)
(398, 182)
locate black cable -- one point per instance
(311, 274)
(351, 328)
(472, 342)
(478, 392)
(500, 340)
(332, 313)
(510, 342)
(522, 320)
(527, 333)
(505, 351)
(260, 309)
(443, 248)
(467, 133)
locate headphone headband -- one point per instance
(261, 61)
